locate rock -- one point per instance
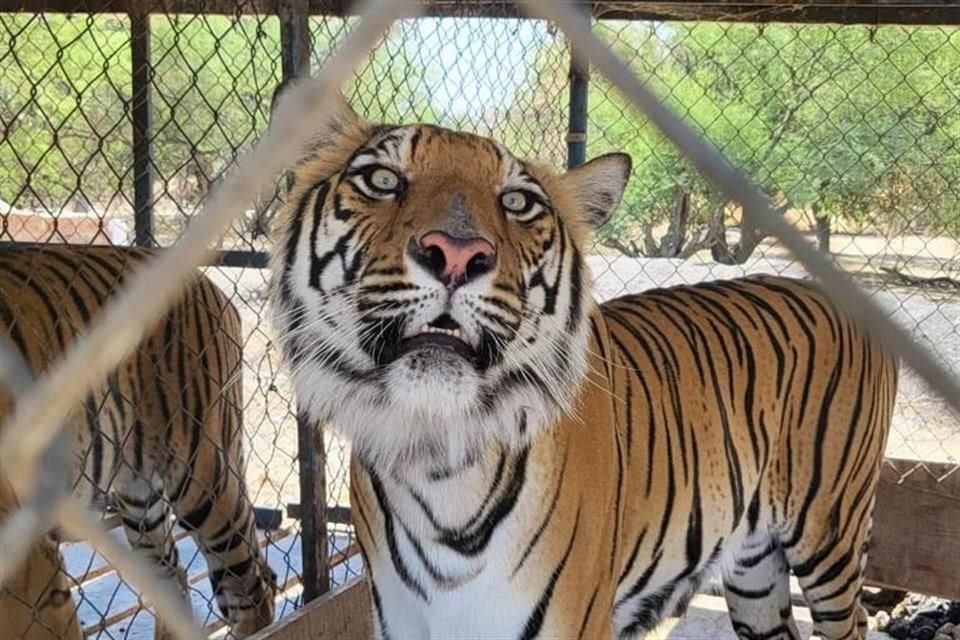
(923, 618)
(876, 600)
(951, 631)
(883, 619)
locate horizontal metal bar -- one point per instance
(870, 12)
(241, 258)
(335, 514)
(267, 519)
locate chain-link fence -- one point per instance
(117, 125)
(854, 133)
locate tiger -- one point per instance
(527, 462)
(35, 602)
(163, 433)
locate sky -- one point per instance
(476, 62)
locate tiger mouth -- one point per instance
(442, 334)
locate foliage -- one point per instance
(63, 115)
(840, 123)
(65, 105)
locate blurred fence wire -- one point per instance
(119, 126)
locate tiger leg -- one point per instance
(220, 517)
(147, 522)
(757, 591)
(831, 576)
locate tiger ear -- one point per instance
(598, 185)
(340, 121)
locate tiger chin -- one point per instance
(527, 463)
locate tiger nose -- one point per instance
(451, 260)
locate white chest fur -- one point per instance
(449, 563)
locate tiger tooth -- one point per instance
(456, 333)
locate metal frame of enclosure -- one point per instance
(913, 549)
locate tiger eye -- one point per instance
(515, 201)
(384, 179)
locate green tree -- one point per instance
(64, 84)
(65, 92)
(836, 123)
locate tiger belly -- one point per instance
(665, 587)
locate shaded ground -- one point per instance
(707, 619)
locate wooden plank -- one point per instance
(110, 609)
(869, 12)
(344, 614)
(916, 529)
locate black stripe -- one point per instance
(431, 568)
(547, 516)
(586, 616)
(819, 446)
(197, 516)
(746, 632)
(378, 606)
(633, 556)
(473, 541)
(642, 581)
(399, 565)
(231, 543)
(750, 594)
(576, 288)
(237, 570)
(96, 439)
(751, 561)
(535, 621)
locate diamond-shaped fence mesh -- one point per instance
(853, 131)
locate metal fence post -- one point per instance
(577, 123)
(312, 462)
(311, 452)
(294, 37)
(142, 76)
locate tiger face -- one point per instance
(430, 289)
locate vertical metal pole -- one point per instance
(312, 460)
(577, 125)
(142, 76)
(294, 37)
(311, 453)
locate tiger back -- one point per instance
(528, 463)
(163, 432)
